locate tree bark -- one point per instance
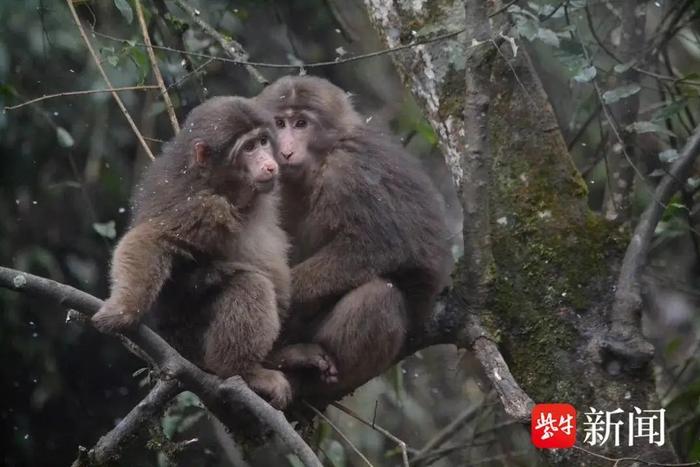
(555, 262)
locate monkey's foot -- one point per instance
(272, 386)
(306, 357)
(113, 318)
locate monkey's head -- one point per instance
(311, 114)
(229, 142)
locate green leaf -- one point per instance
(65, 140)
(125, 9)
(586, 74)
(668, 156)
(141, 61)
(616, 94)
(105, 229)
(668, 111)
(7, 91)
(526, 27)
(547, 10)
(517, 11)
(548, 36)
(336, 453)
(573, 5)
(648, 127)
(622, 67)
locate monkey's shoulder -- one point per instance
(202, 223)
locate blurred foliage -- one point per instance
(69, 164)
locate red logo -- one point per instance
(553, 426)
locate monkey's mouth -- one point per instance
(265, 185)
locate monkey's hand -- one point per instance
(114, 317)
(272, 386)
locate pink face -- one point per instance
(293, 136)
(257, 158)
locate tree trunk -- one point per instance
(555, 261)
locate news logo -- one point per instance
(553, 426)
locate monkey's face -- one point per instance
(294, 135)
(255, 157)
(250, 161)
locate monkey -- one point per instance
(370, 242)
(205, 255)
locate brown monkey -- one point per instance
(205, 253)
(370, 245)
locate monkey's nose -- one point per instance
(287, 155)
(271, 168)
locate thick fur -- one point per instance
(205, 254)
(370, 245)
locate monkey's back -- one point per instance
(376, 194)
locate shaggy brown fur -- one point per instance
(370, 246)
(205, 254)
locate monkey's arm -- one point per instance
(340, 266)
(141, 264)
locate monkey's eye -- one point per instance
(249, 146)
(263, 141)
(301, 123)
(279, 122)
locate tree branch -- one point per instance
(151, 406)
(99, 66)
(627, 306)
(232, 48)
(476, 169)
(79, 93)
(467, 330)
(353, 58)
(156, 70)
(224, 398)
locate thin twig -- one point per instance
(99, 66)
(80, 93)
(618, 460)
(154, 65)
(433, 456)
(582, 129)
(503, 8)
(230, 46)
(612, 123)
(402, 445)
(447, 432)
(340, 433)
(190, 74)
(339, 61)
(627, 294)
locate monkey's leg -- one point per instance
(243, 325)
(142, 263)
(271, 385)
(364, 332)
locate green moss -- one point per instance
(452, 94)
(551, 253)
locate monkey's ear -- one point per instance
(201, 153)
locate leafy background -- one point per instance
(68, 165)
